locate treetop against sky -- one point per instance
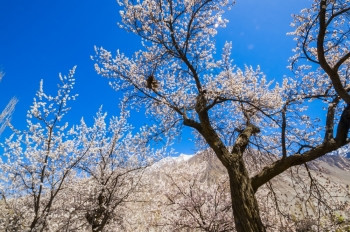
(40, 39)
(181, 75)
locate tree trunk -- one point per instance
(244, 204)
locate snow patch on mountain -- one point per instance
(172, 160)
(183, 157)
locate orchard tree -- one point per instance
(112, 169)
(58, 178)
(177, 79)
(38, 162)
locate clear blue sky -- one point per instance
(40, 38)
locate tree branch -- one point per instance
(332, 73)
(242, 140)
(282, 165)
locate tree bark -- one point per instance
(244, 204)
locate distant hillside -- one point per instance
(328, 200)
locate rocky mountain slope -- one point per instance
(181, 193)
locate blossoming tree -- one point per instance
(55, 178)
(112, 171)
(180, 83)
(38, 162)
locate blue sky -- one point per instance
(40, 38)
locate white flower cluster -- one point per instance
(54, 177)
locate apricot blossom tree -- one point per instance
(55, 178)
(113, 169)
(180, 83)
(38, 162)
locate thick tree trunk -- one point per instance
(244, 204)
(97, 219)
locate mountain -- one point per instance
(180, 179)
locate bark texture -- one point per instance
(244, 204)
